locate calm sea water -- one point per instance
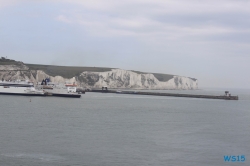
(124, 130)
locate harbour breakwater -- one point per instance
(223, 97)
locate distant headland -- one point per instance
(94, 77)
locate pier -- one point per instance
(227, 96)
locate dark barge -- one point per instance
(70, 95)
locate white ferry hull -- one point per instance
(21, 94)
(19, 88)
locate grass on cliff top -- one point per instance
(65, 71)
(4, 61)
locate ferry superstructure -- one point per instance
(19, 87)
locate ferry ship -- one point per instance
(19, 87)
(59, 90)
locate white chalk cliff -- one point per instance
(116, 78)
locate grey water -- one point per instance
(124, 130)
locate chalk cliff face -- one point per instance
(116, 78)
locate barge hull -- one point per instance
(63, 95)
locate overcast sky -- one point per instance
(205, 39)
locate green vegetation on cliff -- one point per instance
(5, 61)
(65, 71)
